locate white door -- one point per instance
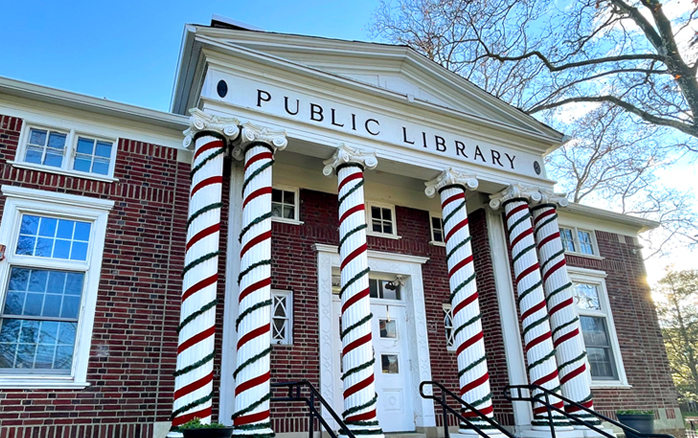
(392, 368)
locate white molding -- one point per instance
(21, 200)
(288, 293)
(56, 197)
(516, 366)
(296, 204)
(435, 243)
(575, 236)
(399, 264)
(586, 272)
(283, 220)
(59, 171)
(369, 220)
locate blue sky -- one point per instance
(127, 51)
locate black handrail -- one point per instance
(543, 397)
(446, 409)
(295, 390)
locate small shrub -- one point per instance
(634, 412)
(196, 423)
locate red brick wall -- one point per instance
(639, 335)
(132, 355)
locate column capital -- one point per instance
(275, 138)
(451, 177)
(550, 197)
(346, 154)
(200, 121)
(516, 190)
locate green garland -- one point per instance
(521, 219)
(249, 361)
(193, 404)
(195, 365)
(363, 320)
(461, 286)
(355, 409)
(453, 212)
(557, 291)
(352, 190)
(478, 402)
(346, 236)
(206, 160)
(523, 251)
(547, 221)
(457, 247)
(471, 321)
(254, 426)
(529, 290)
(259, 170)
(570, 362)
(541, 360)
(471, 366)
(251, 407)
(352, 280)
(253, 223)
(358, 368)
(250, 310)
(200, 260)
(203, 210)
(251, 267)
(568, 323)
(193, 316)
(552, 257)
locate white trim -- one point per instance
(597, 278)
(380, 262)
(433, 241)
(577, 245)
(282, 220)
(19, 201)
(296, 204)
(72, 133)
(288, 339)
(516, 366)
(446, 307)
(369, 220)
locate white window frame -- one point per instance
(433, 241)
(577, 246)
(448, 312)
(296, 206)
(369, 220)
(69, 152)
(21, 201)
(289, 316)
(597, 278)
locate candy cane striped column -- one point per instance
(566, 333)
(194, 372)
(473, 373)
(538, 345)
(252, 373)
(357, 344)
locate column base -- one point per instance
(588, 433)
(266, 432)
(173, 434)
(469, 433)
(356, 430)
(544, 432)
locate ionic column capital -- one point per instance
(450, 177)
(275, 138)
(550, 197)
(200, 121)
(516, 190)
(346, 154)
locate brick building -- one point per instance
(140, 262)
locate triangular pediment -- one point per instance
(398, 69)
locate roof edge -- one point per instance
(638, 223)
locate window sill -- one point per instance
(385, 236)
(32, 383)
(610, 385)
(282, 220)
(586, 256)
(437, 243)
(65, 172)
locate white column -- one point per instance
(194, 373)
(473, 374)
(566, 332)
(252, 373)
(538, 345)
(357, 343)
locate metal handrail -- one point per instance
(543, 397)
(446, 409)
(295, 390)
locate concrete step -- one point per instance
(405, 435)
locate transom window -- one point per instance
(384, 289)
(596, 321)
(67, 151)
(381, 220)
(579, 241)
(437, 230)
(41, 236)
(281, 317)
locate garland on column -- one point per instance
(194, 371)
(473, 375)
(357, 346)
(538, 345)
(566, 334)
(252, 374)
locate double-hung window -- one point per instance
(66, 151)
(596, 321)
(437, 231)
(54, 244)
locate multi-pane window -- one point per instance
(67, 151)
(281, 317)
(284, 204)
(381, 220)
(576, 240)
(437, 230)
(448, 327)
(48, 286)
(596, 324)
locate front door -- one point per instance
(393, 367)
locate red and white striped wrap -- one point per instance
(567, 337)
(252, 374)
(194, 372)
(538, 345)
(357, 344)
